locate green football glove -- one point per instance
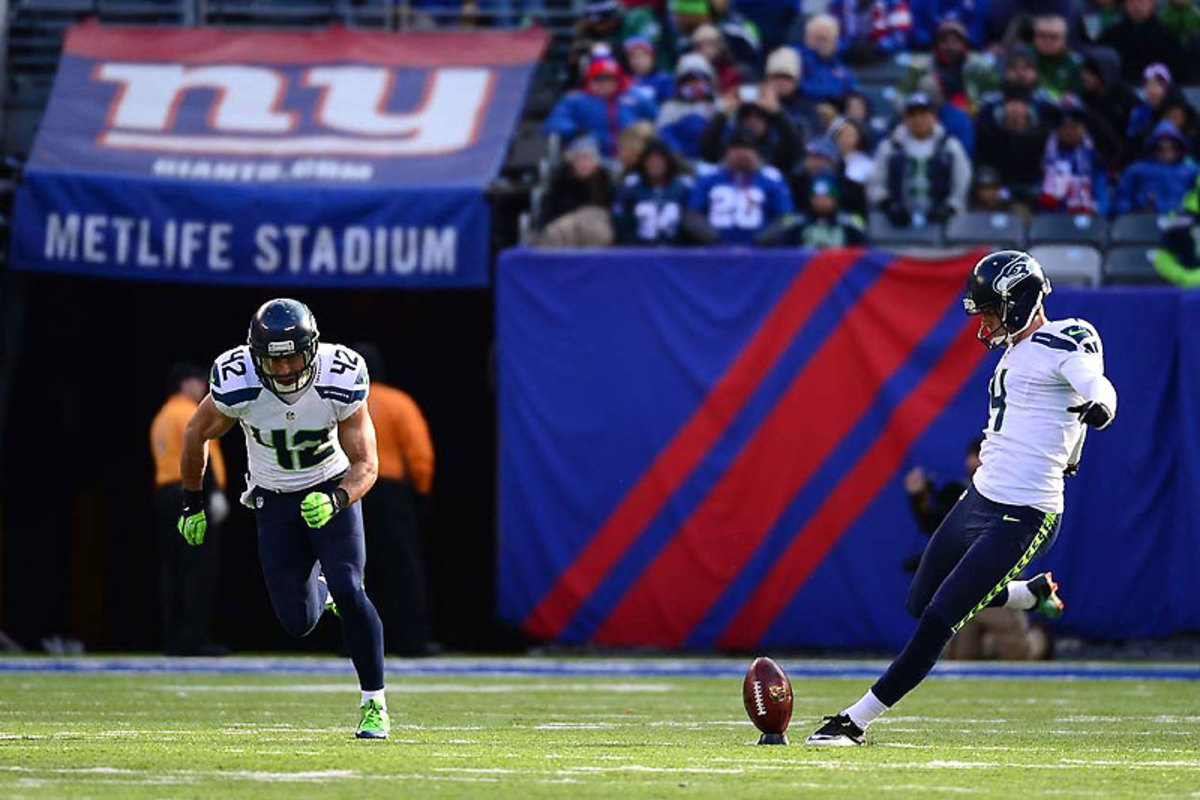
(318, 508)
(192, 522)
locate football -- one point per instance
(767, 695)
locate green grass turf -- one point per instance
(276, 735)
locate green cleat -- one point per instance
(330, 606)
(375, 723)
(1045, 591)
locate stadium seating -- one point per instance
(1135, 229)
(985, 227)
(1068, 229)
(882, 232)
(1130, 264)
(1070, 264)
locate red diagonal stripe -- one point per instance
(822, 404)
(844, 505)
(677, 460)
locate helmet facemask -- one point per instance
(285, 383)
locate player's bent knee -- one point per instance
(299, 622)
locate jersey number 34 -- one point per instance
(998, 399)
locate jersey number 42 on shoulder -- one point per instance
(306, 448)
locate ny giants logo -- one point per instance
(246, 117)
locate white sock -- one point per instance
(864, 712)
(377, 696)
(1020, 597)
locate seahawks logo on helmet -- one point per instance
(1012, 273)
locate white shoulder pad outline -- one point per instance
(771, 173)
(1082, 333)
(341, 375)
(232, 380)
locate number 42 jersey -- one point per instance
(1031, 437)
(292, 446)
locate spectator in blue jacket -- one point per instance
(824, 76)
(650, 204)
(682, 119)
(1158, 182)
(737, 201)
(654, 84)
(602, 109)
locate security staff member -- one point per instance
(187, 575)
(393, 511)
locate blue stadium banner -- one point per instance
(332, 158)
(706, 449)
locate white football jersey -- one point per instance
(1030, 437)
(292, 446)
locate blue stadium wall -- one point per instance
(706, 450)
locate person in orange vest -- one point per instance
(395, 509)
(188, 575)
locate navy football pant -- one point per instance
(979, 547)
(293, 555)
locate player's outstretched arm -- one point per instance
(206, 423)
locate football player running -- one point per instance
(1047, 387)
(311, 450)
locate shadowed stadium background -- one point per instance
(79, 554)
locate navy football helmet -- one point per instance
(282, 329)
(1011, 284)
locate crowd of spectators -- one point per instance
(742, 121)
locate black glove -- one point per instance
(897, 214)
(1071, 471)
(1093, 413)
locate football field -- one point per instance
(517, 728)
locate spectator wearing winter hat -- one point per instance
(599, 27)
(708, 42)
(962, 77)
(821, 158)
(921, 172)
(1158, 182)
(782, 76)
(737, 201)
(654, 84)
(956, 121)
(575, 208)
(779, 142)
(1019, 73)
(1058, 67)
(825, 77)
(651, 202)
(1158, 99)
(1011, 140)
(1108, 100)
(683, 119)
(1142, 39)
(1073, 179)
(601, 109)
(822, 225)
